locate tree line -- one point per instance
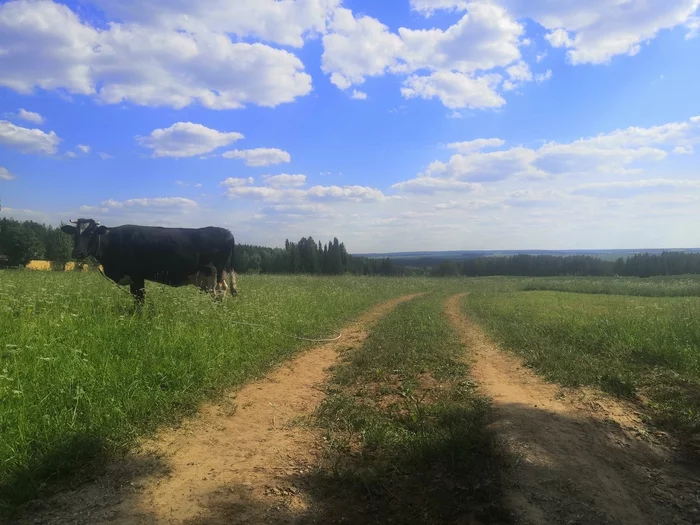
(638, 265)
(23, 241)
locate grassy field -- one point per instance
(405, 428)
(626, 344)
(81, 376)
(672, 286)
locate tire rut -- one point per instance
(577, 456)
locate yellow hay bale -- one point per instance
(46, 265)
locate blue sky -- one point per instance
(397, 125)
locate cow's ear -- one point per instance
(101, 230)
(67, 228)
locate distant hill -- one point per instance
(430, 258)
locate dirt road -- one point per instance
(578, 456)
(234, 463)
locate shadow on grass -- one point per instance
(71, 467)
(589, 472)
(584, 471)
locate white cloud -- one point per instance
(518, 74)
(620, 152)
(46, 45)
(622, 189)
(259, 156)
(285, 179)
(543, 77)
(456, 59)
(179, 203)
(594, 31)
(540, 57)
(286, 23)
(28, 140)
(455, 90)
(105, 156)
(317, 193)
(471, 146)
(186, 139)
(357, 48)
(598, 30)
(683, 150)
(5, 174)
(429, 185)
(84, 148)
(29, 116)
(349, 193)
(559, 38)
(236, 182)
(693, 25)
(358, 95)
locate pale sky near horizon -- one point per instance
(396, 125)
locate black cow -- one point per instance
(174, 256)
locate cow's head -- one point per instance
(86, 237)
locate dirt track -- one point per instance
(578, 457)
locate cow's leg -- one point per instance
(138, 290)
(232, 278)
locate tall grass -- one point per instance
(82, 376)
(672, 286)
(405, 426)
(629, 346)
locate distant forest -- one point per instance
(21, 242)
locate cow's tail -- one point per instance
(230, 269)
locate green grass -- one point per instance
(635, 347)
(82, 376)
(405, 427)
(672, 286)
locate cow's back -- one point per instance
(165, 255)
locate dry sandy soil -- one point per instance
(577, 456)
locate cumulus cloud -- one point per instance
(314, 193)
(259, 156)
(428, 185)
(471, 146)
(623, 189)
(455, 90)
(284, 179)
(5, 174)
(28, 140)
(28, 116)
(179, 203)
(285, 23)
(105, 156)
(83, 148)
(595, 31)
(186, 139)
(620, 152)
(233, 182)
(358, 95)
(455, 58)
(46, 45)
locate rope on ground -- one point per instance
(245, 323)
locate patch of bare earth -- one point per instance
(579, 457)
(240, 461)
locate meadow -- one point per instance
(82, 376)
